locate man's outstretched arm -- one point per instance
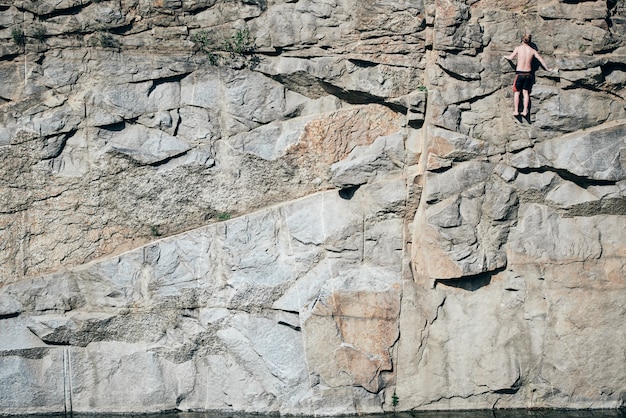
(513, 54)
(542, 62)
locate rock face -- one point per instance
(310, 207)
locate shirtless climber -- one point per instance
(523, 73)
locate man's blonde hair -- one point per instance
(526, 38)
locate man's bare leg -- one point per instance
(516, 103)
(526, 102)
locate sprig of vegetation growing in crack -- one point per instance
(18, 36)
(223, 216)
(40, 33)
(154, 231)
(240, 43)
(238, 50)
(103, 39)
(395, 401)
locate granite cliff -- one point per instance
(310, 206)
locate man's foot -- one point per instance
(515, 114)
(525, 113)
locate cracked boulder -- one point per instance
(464, 227)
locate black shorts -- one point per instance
(523, 81)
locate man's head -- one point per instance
(526, 38)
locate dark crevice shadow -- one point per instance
(9, 316)
(360, 97)
(470, 283)
(67, 11)
(347, 193)
(580, 181)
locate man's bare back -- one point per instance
(525, 54)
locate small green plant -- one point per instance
(224, 216)
(240, 44)
(103, 39)
(582, 47)
(18, 36)
(422, 88)
(201, 39)
(40, 33)
(154, 231)
(213, 58)
(395, 401)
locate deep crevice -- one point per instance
(165, 160)
(581, 181)
(70, 11)
(120, 30)
(278, 51)
(9, 316)
(57, 343)
(470, 283)
(10, 57)
(288, 325)
(458, 76)
(114, 127)
(360, 97)
(262, 4)
(347, 193)
(515, 387)
(362, 63)
(171, 79)
(416, 124)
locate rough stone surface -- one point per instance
(336, 214)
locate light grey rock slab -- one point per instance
(28, 386)
(52, 121)
(545, 236)
(456, 146)
(464, 230)
(586, 11)
(15, 335)
(363, 164)
(540, 182)
(465, 67)
(457, 179)
(62, 70)
(561, 111)
(598, 154)
(279, 347)
(228, 297)
(568, 194)
(75, 328)
(247, 101)
(271, 141)
(198, 124)
(9, 305)
(111, 369)
(144, 145)
(307, 287)
(136, 99)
